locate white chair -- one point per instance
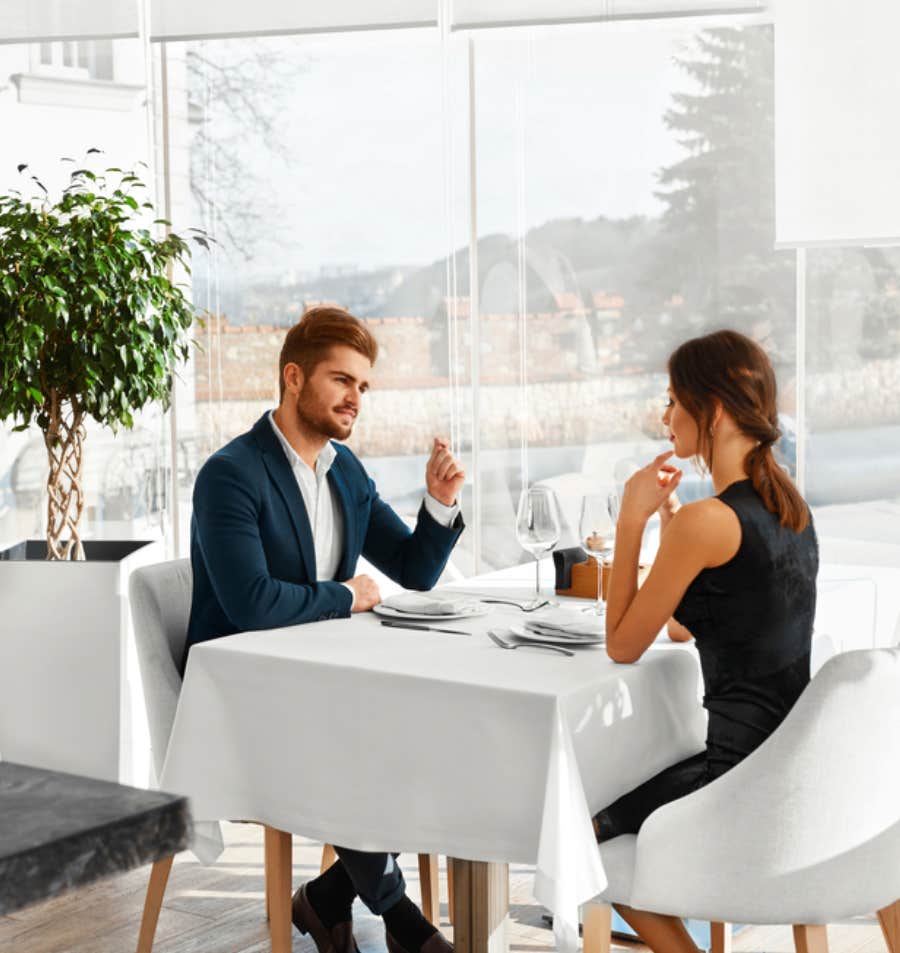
(160, 598)
(804, 831)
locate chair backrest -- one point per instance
(808, 824)
(160, 598)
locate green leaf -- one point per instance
(86, 304)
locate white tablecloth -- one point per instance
(390, 739)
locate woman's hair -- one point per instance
(728, 367)
(319, 330)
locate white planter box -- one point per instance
(69, 696)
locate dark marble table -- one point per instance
(59, 831)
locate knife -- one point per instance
(397, 624)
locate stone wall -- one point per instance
(409, 403)
(240, 362)
(401, 422)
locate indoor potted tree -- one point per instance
(92, 325)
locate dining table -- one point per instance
(393, 739)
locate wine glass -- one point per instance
(597, 526)
(537, 526)
(612, 507)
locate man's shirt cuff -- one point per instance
(444, 515)
(352, 595)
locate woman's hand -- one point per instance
(650, 489)
(671, 504)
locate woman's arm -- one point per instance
(698, 536)
(674, 629)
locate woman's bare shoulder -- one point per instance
(710, 524)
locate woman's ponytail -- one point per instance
(774, 486)
(730, 368)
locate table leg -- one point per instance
(480, 905)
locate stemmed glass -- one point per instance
(597, 526)
(537, 526)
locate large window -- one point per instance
(126, 474)
(852, 365)
(88, 59)
(626, 202)
(321, 166)
(623, 201)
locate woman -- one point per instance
(737, 571)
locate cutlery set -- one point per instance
(503, 644)
(509, 639)
(557, 630)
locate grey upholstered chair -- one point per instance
(160, 598)
(804, 831)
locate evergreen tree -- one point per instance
(715, 249)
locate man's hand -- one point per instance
(444, 476)
(365, 593)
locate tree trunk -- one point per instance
(64, 439)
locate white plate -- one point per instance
(573, 641)
(390, 613)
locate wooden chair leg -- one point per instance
(268, 872)
(450, 889)
(597, 927)
(810, 938)
(156, 888)
(889, 918)
(430, 884)
(278, 888)
(328, 858)
(719, 937)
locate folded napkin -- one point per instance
(424, 603)
(567, 623)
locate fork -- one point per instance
(528, 606)
(525, 607)
(492, 635)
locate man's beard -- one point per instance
(319, 422)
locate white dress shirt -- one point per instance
(326, 518)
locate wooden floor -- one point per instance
(221, 909)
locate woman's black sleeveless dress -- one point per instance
(752, 621)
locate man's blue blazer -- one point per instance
(252, 551)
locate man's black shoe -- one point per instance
(434, 944)
(339, 939)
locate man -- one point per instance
(281, 516)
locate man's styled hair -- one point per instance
(320, 329)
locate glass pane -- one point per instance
(626, 203)
(853, 402)
(318, 163)
(102, 60)
(124, 474)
